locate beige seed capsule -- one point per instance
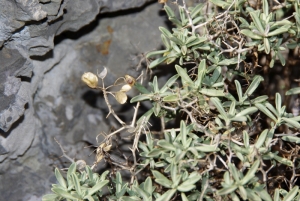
(125, 88)
(121, 97)
(90, 79)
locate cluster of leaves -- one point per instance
(222, 149)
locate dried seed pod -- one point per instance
(126, 88)
(121, 97)
(90, 79)
(130, 80)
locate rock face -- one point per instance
(45, 47)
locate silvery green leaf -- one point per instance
(183, 197)
(174, 172)
(165, 32)
(227, 190)
(97, 187)
(193, 178)
(282, 160)
(222, 4)
(197, 19)
(292, 194)
(276, 195)
(180, 154)
(141, 88)
(267, 45)
(255, 17)
(250, 34)
(216, 85)
(243, 192)
(269, 137)
(292, 45)
(263, 194)
(166, 145)
(281, 58)
(194, 151)
(76, 183)
(272, 63)
(278, 102)
(165, 41)
(234, 197)
(292, 91)
(259, 99)
(155, 153)
(247, 111)
(266, 7)
(158, 61)
(291, 121)
(64, 193)
(251, 173)
(244, 22)
(141, 192)
(71, 170)
(170, 60)
(143, 147)
(190, 39)
(246, 138)
(279, 30)
(50, 197)
(145, 117)
(240, 156)
(253, 86)
(289, 138)
(227, 62)
(176, 180)
(185, 188)
(272, 109)
(227, 179)
(169, 11)
(219, 107)
(171, 98)
(182, 73)
(234, 172)
(183, 132)
(177, 40)
(196, 10)
(155, 85)
(239, 149)
(265, 111)
(182, 15)
(216, 75)
(167, 195)
(148, 185)
(232, 108)
(201, 73)
(156, 108)
(183, 50)
(153, 53)
(261, 139)
(239, 90)
(207, 148)
(175, 21)
(252, 195)
(196, 42)
(60, 178)
(161, 179)
(140, 98)
(212, 92)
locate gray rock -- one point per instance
(42, 95)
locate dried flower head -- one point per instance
(130, 80)
(90, 79)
